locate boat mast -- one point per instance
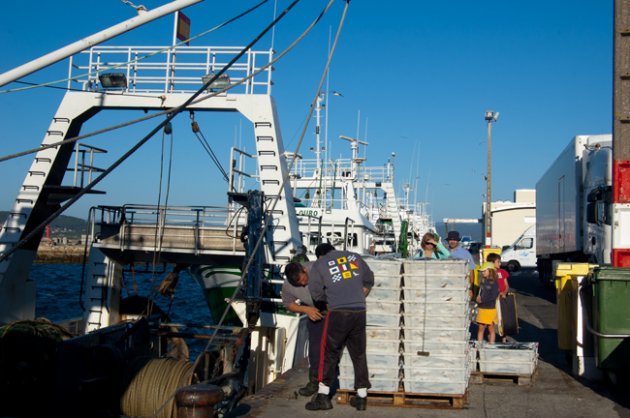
(97, 38)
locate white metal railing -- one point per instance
(200, 219)
(154, 69)
(84, 169)
(240, 179)
(340, 169)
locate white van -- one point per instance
(522, 253)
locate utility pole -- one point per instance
(490, 117)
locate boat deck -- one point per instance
(552, 392)
(188, 235)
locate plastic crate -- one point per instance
(382, 333)
(435, 348)
(383, 346)
(436, 280)
(447, 321)
(429, 294)
(432, 387)
(390, 270)
(441, 375)
(381, 293)
(381, 385)
(380, 306)
(375, 318)
(510, 358)
(435, 334)
(435, 267)
(436, 361)
(386, 373)
(374, 360)
(437, 308)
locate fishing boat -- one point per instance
(243, 244)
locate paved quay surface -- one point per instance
(553, 392)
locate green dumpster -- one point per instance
(611, 317)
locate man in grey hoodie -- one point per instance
(343, 279)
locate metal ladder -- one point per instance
(392, 208)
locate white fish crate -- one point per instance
(382, 306)
(436, 280)
(383, 333)
(414, 360)
(385, 269)
(383, 346)
(455, 387)
(435, 334)
(519, 358)
(374, 318)
(377, 360)
(381, 385)
(382, 293)
(436, 374)
(436, 308)
(435, 267)
(386, 373)
(448, 321)
(435, 294)
(436, 348)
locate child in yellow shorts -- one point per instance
(486, 301)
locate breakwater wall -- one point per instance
(60, 254)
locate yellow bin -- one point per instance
(567, 275)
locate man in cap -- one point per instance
(460, 253)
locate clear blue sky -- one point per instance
(419, 73)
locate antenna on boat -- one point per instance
(354, 146)
(318, 148)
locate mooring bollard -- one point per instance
(197, 401)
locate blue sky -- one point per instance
(416, 77)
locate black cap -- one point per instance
(453, 236)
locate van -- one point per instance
(522, 253)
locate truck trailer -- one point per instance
(573, 206)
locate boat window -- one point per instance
(353, 240)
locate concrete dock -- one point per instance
(552, 393)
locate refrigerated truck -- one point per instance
(573, 206)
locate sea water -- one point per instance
(59, 288)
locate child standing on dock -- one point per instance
(487, 300)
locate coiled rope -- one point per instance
(150, 393)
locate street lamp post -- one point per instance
(490, 118)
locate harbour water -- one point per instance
(59, 285)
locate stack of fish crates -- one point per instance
(437, 358)
(383, 332)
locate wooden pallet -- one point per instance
(519, 379)
(406, 399)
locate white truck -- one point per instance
(522, 253)
(573, 206)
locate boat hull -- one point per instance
(219, 284)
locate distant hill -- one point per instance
(63, 226)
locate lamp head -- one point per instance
(113, 80)
(491, 116)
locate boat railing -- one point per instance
(195, 228)
(182, 69)
(84, 169)
(240, 179)
(340, 169)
